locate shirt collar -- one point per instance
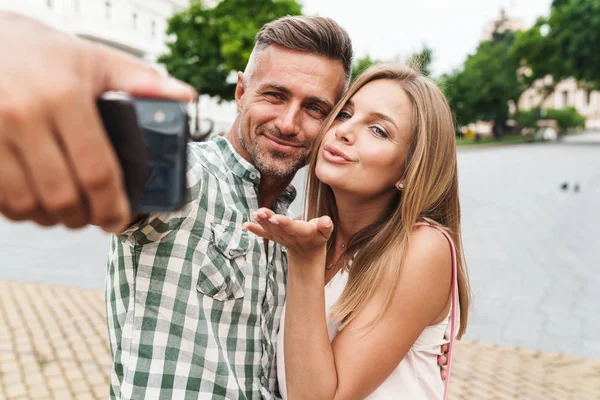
(248, 172)
(236, 163)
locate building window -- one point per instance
(588, 96)
(50, 3)
(134, 20)
(565, 98)
(107, 10)
(153, 29)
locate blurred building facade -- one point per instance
(506, 22)
(137, 27)
(567, 93)
(134, 26)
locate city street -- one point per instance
(532, 248)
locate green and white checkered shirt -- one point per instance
(193, 306)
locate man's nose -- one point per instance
(289, 122)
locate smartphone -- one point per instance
(149, 137)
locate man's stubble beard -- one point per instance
(272, 163)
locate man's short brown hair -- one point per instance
(316, 35)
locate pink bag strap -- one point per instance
(454, 290)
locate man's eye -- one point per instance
(318, 110)
(274, 95)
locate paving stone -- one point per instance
(15, 390)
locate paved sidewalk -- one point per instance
(53, 346)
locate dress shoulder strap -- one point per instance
(453, 312)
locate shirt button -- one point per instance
(252, 175)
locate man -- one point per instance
(193, 301)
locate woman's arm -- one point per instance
(310, 368)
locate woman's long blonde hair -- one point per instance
(430, 194)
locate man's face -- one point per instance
(282, 108)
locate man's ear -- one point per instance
(240, 90)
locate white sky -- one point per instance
(385, 29)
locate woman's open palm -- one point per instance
(304, 238)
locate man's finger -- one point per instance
(52, 181)
(445, 348)
(18, 199)
(95, 164)
(126, 73)
(442, 360)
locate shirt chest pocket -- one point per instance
(223, 267)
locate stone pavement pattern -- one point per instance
(53, 346)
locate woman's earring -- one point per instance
(400, 186)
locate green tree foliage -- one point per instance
(562, 45)
(361, 64)
(574, 31)
(210, 43)
(482, 89)
(565, 118)
(529, 118)
(421, 60)
(539, 59)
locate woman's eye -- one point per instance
(343, 115)
(379, 132)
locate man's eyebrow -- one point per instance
(275, 86)
(321, 100)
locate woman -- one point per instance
(383, 238)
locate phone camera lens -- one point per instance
(159, 116)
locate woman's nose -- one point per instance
(344, 132)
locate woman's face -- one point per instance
(365, 149)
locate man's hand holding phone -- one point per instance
(57, 163)
(149, 137)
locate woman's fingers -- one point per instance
(256, 229)
(290, 232)
(264, 212)
(325, 227)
